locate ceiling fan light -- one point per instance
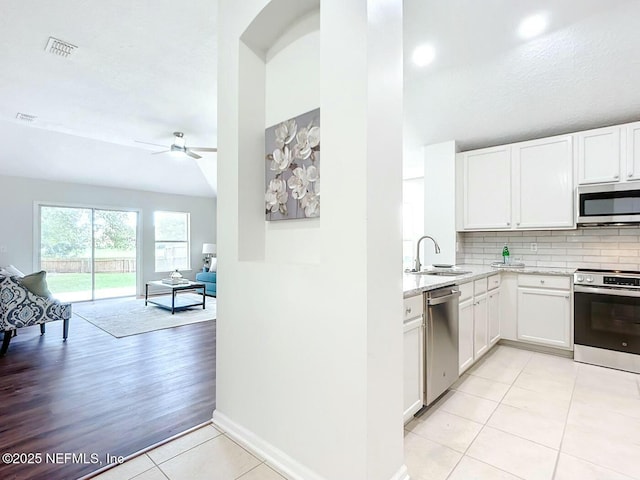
(178, 149)
(179, 139)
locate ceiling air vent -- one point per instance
(59, 47)
(25, 117)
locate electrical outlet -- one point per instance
(534, 247)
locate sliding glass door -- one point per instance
(114, 258)
(88, 253)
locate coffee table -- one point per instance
(176, 304)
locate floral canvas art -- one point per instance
(293, 168)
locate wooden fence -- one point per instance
(83, 265)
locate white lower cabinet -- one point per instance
(465, 335)
(509, 306)
(544, 310)
(493, 316)
(531, 308)
(480, 327)
(473, 323)
(413, 343)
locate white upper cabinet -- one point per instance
(633, 151)
(543, 183)
(487, 189)
(527, 185)
(599, 155)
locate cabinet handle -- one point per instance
(518, 223)
(541, 281)
(630, 174)
(407, 311)
(508, 223)
(616, 176)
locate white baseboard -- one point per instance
(402, 474)
(273, 456)
(561, 352)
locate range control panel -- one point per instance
(624, 281)
(605, 278)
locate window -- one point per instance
(413, 218)
(172, 241)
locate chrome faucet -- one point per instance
(418, 265)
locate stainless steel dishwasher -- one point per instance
(441, 341)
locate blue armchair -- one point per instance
(209, 280)
(21, 308)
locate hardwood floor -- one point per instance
(96, 394)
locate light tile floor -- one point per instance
(525, 415)
(203, 454)
(515, 415)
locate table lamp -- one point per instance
(209, 251)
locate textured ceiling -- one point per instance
(142, 70)
(487, 86)
(146, 68)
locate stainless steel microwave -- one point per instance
(609, 204)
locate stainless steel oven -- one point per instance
(607, 318)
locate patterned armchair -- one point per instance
(21, 308)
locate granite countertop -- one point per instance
(416, 284)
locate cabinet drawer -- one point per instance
(466, 291)
(479, 286)
(493, 281)
(412, 308)
(544, 281)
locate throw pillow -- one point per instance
(214, 265)
(11, 271)
(36, 283)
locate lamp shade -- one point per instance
(209, 248)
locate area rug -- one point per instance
(123, 317)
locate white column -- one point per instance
(309, 347)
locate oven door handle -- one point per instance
(618, 292)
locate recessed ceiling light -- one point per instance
(533, 26)
(423, 55)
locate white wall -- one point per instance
(309, 353)
(18, 196)
(293, 87)
(440, 202)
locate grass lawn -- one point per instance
(75, 282)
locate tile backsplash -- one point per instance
(607, 248)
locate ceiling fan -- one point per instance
(179, 145)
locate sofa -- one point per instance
(19, 307)
(209, 280)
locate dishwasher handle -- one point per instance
(443, 299)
